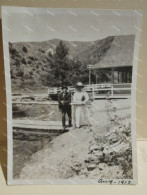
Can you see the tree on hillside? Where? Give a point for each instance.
(59, 64)
(64, 70)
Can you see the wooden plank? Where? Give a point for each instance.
(109, 89)
(43, 125)
(34, 102)
(23, 126)
(36, 122)
(113, 97)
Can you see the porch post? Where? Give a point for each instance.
(112, 75)
(118, 76)
(89, 67)
(95, 76)
(89, 76)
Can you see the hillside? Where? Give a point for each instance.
(30, 61)
(74, 46)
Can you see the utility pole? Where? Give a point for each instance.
(89, 67)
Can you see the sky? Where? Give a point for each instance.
(41, 24)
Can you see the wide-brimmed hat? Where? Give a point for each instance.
(79, 84)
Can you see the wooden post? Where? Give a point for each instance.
(118, 76)
(89, 76)
(93, 91)
(112, 90)
(126, 77)
(112, 72)
(130, 80)
(96, 76)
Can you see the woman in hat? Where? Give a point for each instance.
(80, 98)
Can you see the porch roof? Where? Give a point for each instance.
(120, 53)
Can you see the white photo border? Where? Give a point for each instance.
(6, 10)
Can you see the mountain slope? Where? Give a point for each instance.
(30, 63)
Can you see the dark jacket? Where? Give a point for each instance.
(66, 98)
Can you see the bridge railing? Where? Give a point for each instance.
(113, 91)
(122, 90)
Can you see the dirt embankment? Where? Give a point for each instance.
(85, 153)
(100, 151)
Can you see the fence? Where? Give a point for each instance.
(98, 91)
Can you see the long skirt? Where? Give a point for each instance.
(82, 115)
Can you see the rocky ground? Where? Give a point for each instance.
(36, 111)
(31, 98)
(100, 151)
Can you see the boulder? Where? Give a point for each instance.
(121, 147)
(108, 153)
(91, 167)
(102, 166)
(91, 159)
(95, 147)
(98, 154)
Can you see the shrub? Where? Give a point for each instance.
(24, 49)
(23, 61)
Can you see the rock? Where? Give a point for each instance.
(121, 147)
(102, 166)
(98, 154)
(111, 136)
(76, 170)
(108, 152)
(76, 167)
(114, 140)
(91, 159)
(91, 167)
(115, 144)
(95, 148)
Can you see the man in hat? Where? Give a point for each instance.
(64, 100)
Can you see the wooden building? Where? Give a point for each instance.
(117, 62)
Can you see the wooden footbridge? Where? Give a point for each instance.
(43, 126)
(38, 128)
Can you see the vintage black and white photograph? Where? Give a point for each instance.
(71, 95)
